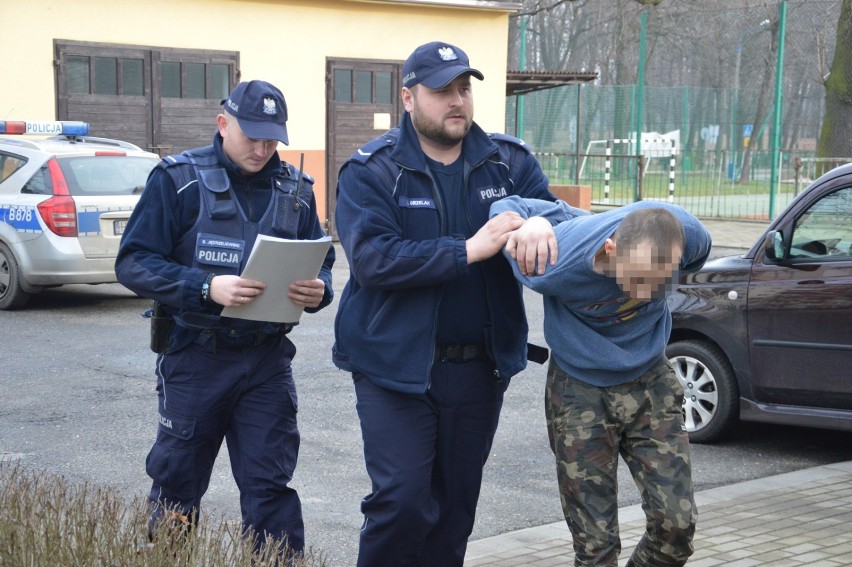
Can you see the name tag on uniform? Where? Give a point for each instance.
(416, 202)
(216, 250)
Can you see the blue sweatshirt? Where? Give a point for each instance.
(598, 334)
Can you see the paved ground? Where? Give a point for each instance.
(798, 518)
(734, 234)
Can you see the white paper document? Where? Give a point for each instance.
(278, 262)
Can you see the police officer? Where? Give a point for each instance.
(184, 247)
(431, 322)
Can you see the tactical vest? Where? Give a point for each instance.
(222, 237)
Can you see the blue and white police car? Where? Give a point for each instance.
(65, 198)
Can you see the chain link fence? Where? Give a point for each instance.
(710, 150)
(702, 182)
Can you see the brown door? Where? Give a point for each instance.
(363, 102)
(188, 89)
(108, 87)
(161, 99)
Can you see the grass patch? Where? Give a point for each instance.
(45, 520)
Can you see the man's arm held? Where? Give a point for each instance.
(493, 235)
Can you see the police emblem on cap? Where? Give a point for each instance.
(269, 106)
(447, 54)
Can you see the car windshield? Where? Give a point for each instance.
(106, 175)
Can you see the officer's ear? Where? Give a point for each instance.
(407, 95)
(222, 124)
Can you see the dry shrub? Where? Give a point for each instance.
(46, 521)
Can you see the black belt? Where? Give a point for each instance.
(225, 341)
(460, 353)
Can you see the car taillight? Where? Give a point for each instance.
(59, 212)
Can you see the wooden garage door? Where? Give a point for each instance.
(363, 102)
(161, 99)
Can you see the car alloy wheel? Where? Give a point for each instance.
(710, 392)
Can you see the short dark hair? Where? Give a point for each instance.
(656, 225)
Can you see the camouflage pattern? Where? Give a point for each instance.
(641, 420)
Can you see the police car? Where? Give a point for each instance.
(65, 198)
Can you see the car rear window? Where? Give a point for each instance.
(106, 175)
(96, 175)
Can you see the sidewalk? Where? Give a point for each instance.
(797, 518)
(739, 234)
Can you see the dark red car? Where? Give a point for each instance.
(767, 336)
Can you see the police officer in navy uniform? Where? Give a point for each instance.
(219, 378)
(431, 323)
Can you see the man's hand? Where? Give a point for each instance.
(233, 291)
(493, 235)
(307, 293)
(532, 244)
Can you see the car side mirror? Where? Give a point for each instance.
(773, 244)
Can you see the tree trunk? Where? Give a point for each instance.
(766, 91)
(834, 139)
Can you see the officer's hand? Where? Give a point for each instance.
(307, 293)
(491, 238)
(233, 291)
(532, 244)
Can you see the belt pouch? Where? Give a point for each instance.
(161, 328)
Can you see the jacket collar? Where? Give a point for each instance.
(476, 146)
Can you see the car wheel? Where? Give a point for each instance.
(12, 295)
(711, 395)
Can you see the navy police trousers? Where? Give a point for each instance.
(247, 396)
(424, 454)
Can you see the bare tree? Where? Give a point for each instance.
(835, 139)
(718, 54)
(762, 112)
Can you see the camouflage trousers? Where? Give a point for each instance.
(642, 421)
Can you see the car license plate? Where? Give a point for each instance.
(118, 226)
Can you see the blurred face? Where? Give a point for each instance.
(248, 154)
(644, 272)
(441, 117)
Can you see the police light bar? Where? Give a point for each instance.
(62, 128)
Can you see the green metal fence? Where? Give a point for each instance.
(705, 183)
(736, 151)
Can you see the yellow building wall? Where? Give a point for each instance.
(284, 42)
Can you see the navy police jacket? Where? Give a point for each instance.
(392, 226)
(184, 228)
